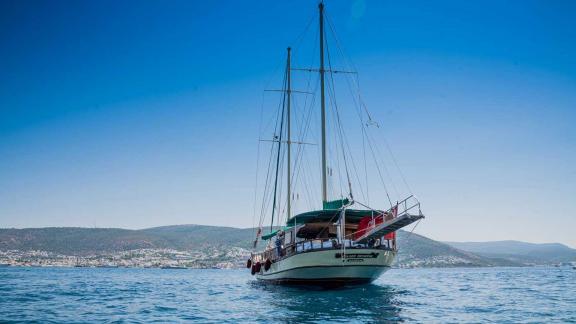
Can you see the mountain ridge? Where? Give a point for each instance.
(414, 250)
(518, 251)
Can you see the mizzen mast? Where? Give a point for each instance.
(323, 104)
(288, 143)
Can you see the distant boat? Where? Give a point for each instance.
(173, 267)
(77, 264)
(336, 245)
(2, 265)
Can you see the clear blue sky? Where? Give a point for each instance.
(144, 113)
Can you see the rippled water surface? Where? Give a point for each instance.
(423, 295)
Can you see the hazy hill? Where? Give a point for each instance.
(191, 237)
(523, 252)
(78, 241)
(84, 241)
(415, 250)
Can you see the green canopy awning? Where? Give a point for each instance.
(335, 204)
(272, 234)
(331, 215)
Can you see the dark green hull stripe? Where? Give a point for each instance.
(327, 266)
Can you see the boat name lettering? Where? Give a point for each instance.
(357, 255)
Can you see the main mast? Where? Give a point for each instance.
(288, 94)
(323, 104)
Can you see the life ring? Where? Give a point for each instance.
(253, 271)
(267, 265)
(258, 267)
(249, 263)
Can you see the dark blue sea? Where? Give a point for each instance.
(496, 295)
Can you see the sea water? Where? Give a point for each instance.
(497, 295)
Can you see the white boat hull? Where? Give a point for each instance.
(328, 267)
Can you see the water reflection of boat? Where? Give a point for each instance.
(365, 304)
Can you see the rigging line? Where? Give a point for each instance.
(306, 128)
(329, 182)
(338, 136)
(380, 174)
(300, 37)
(335, 135)
(305, 99)
(298, 167)
(366, 206)
(257, 164)
(281, 184)
(278, 156)
(362, 127)
(265, 198)
(413, 228)
(388, 173)
(312, 100)
(301, 174)
(366, 133)
(309, 77)
(303, 127)
(300, 149)
(266, 185)
(343, 137)
(360, 103)
(260, 219)
(303, 131)
(351, 66)
(344, 143)
(299, 123)
(377, 154)
(280, 181)
(307, 183)
(305, 194)
(365, 167)
(269, 171)
(337, 124)
(334, 147)
(397, 167)
(267, 86)
(298, 164)
(363, 147)
(339, 46)
(271, 119)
